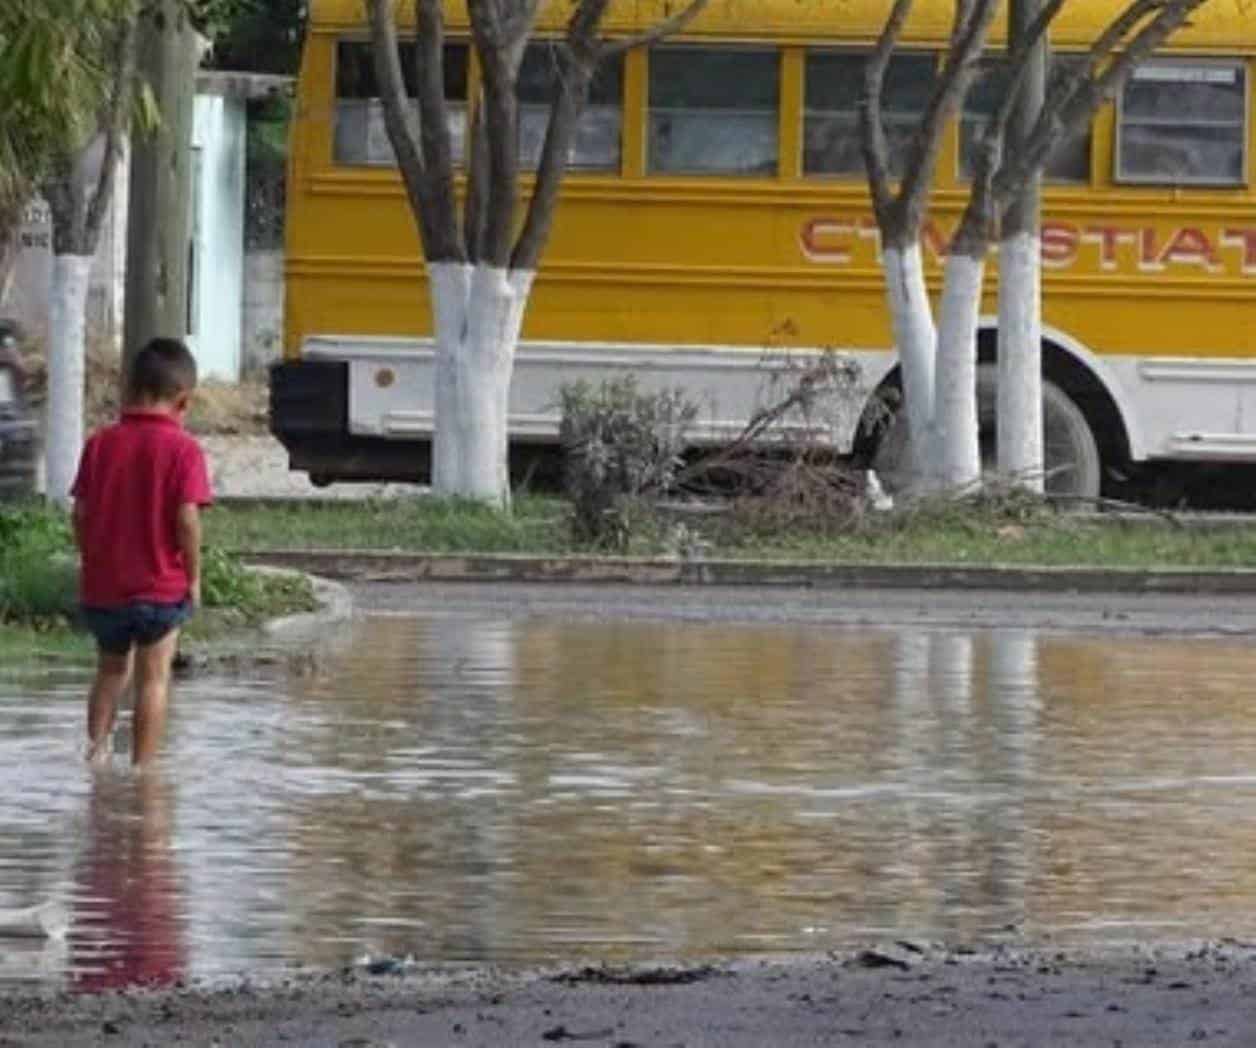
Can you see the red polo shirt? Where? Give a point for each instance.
(133, 477)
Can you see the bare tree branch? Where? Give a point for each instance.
(1018, 61)
(437, 227)
(957, 73)
(568, 104)
(501, 29)
(517, 23)
(500, 38)
(1064, 88)
(578, 59)
(1074, 106)
(113, 122)
(976, 227)
(579, 56)
(669, 26)
(475, 207)
(58, 191)
(876, 150)
(810, 383)
(964, 11)
(584, 25)
(1124, 23)
(429, 77)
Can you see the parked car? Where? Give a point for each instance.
(19, 434)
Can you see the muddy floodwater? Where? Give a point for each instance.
(482, 787)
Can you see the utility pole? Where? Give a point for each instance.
(159, 220)
(1019, 407)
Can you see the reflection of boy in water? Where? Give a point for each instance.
(128, 931)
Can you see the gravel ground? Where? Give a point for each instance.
(257, 467)
(907, 995)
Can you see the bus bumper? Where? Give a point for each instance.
(309, 414)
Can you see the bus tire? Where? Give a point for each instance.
(1071, 454)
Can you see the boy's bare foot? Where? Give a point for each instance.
(99, 753)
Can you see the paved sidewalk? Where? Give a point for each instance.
(257, 467)
(371, 565)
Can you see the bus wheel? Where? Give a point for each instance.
(1071, 455)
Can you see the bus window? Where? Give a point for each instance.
(834, 86)
(360, 136)
(597, 141)
(1070, 162)
(714, 111)
(1183, 122)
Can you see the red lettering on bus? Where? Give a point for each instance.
(1149, 251)
(822, 240)
(1190, 247)
(1244, 237)
(1108, 237)
(1060, 244)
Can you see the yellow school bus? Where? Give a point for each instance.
(716, 217)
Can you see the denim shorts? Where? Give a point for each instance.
(142, 624)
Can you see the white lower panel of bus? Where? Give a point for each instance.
(391, 380)
(1191, 408)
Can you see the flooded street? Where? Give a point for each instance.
(454, 781)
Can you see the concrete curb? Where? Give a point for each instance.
(335, 604)
(385, 566)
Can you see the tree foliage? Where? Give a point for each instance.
(53, 80)
(260, 36)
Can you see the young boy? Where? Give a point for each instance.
(137, 498)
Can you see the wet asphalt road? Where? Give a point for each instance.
(1222, 615)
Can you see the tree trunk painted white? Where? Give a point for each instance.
(479, 313)
(911, 318)
(955, 405)
(1019, 407)
(483, 368)
(66, 353)
(521, 281)
(450, 289)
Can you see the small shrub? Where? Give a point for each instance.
(225, 581)
(38, 569)
(620, 445)
(39, 576)
(43, 593)
(249, 596)
(31, 527)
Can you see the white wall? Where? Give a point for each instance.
(27, 299)
(28, 295)
(262, 323)
(218, 137)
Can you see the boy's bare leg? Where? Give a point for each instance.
(152, 693)
(113, 672)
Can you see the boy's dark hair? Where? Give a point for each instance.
(162, 370)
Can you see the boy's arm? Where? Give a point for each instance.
(188, 531)
(79, 523)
